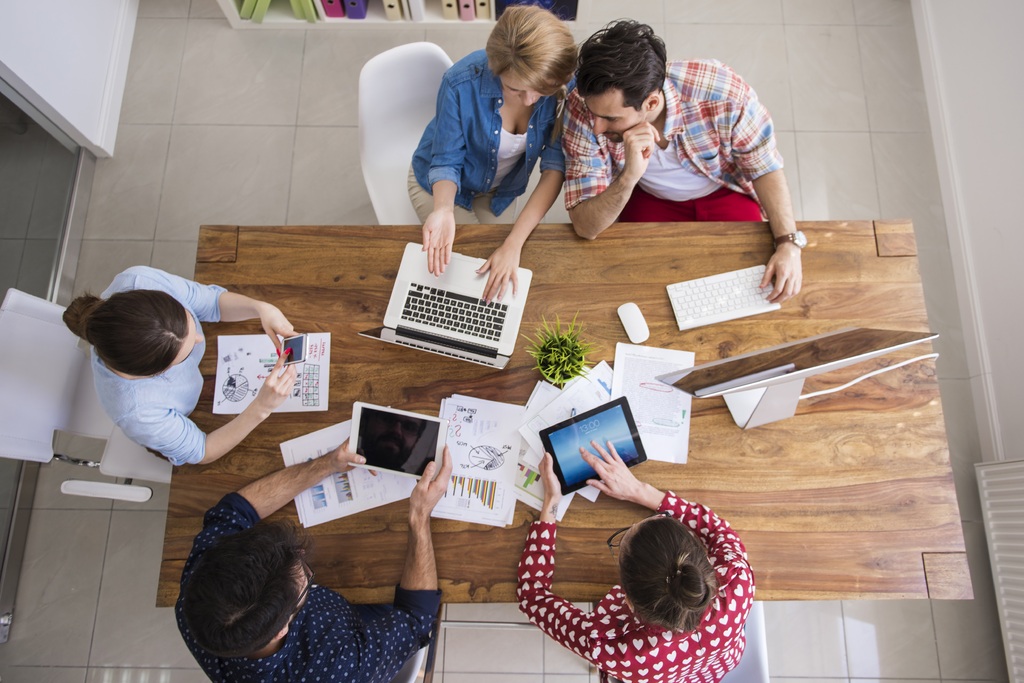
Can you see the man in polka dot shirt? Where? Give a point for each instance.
(249, 610)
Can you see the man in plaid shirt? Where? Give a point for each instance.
(653, 141)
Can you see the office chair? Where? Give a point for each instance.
(46, 385)
(411, 671)
(397, 99)
(753, 667)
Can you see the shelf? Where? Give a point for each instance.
(280, 15)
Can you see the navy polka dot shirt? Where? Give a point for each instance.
(328, 640)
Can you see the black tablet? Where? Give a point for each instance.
(396, 441)
(609, 422)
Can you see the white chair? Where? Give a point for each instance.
(411, 671)
(753, 667)
(397, 99)
(46, 385)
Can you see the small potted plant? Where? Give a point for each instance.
(560, 354)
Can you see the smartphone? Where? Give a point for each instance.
(297, 346)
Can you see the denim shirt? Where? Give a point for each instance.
(460, 143)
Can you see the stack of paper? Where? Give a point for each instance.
(662, 413)
(340, 495)
(485, 448)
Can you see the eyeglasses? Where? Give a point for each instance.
(615, 540)
(309, 584)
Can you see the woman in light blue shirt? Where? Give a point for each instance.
(147, 343)
(499, 111)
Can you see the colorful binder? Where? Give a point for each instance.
(466, 10)
(332, 9)
(260, 10)
(303, 9)
(393, 10)
(245, 12)
(450, 9)
(355, 9)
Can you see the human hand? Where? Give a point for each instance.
(640, 141)
(274, 323)
(342, 459)
(277, 387)
(786, 269)
(430, 488)
(614, 478)
(438, 236)
(552, 489)
(503, 267)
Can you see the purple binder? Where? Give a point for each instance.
(355, 9)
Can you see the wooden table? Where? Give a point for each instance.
(851, 498)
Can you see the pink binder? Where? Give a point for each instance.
(334, 9)
(466, 10)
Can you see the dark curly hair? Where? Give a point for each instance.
(243, 590)
(625, 55)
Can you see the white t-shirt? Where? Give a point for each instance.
(667, 178)
(511, 148)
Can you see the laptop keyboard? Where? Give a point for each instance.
(454, 312)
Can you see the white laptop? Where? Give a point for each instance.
(446, 314)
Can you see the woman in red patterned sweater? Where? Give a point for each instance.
(685, 590)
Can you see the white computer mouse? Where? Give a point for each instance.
(633, 320)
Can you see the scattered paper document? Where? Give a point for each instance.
(346, 493)
(529, 488)
(578, 396)
(661, 412)
(245, 360)
(484, 446)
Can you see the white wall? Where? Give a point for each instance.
(69, 59)
(972, 56)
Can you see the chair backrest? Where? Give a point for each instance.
(753, 667)
(40, 369)
(397, 99)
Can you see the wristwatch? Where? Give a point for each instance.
(797, 238)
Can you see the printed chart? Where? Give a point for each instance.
(244, 361)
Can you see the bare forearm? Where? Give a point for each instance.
(648, 496)
(592, 216)
(543, 196)
(443, 192)
(272, 492)
(773, 193)
(221, 440)
(235, 307)
(420, 572)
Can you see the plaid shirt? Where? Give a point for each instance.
(721, 129)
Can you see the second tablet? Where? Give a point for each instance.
(396, 440)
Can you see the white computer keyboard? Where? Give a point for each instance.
(718, 298)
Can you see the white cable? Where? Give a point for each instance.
(879, 371)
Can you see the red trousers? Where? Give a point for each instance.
(721, 205)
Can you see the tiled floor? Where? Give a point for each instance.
(234, 126)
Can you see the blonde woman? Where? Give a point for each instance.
(499, 112)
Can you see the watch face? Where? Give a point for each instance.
(799, 239)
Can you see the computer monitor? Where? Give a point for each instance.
(764, 386)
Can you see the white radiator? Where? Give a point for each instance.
(1001, 485)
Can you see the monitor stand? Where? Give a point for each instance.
(756, 407)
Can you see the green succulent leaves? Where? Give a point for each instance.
(560, 354)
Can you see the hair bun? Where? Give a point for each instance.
(78, 313)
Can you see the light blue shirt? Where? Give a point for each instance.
(153, 411)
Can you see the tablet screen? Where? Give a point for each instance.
(610, 422)
(397, 441)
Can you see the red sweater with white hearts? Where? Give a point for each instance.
(616, 640)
